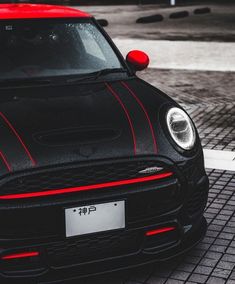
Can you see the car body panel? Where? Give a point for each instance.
(109, 131)
(41, 113)
(31, 11)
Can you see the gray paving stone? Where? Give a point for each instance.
(226, 236)
(198, 278)
(230, 250)
(215, 280)
(205, 270)
(218, 248)
(208, 240)
(213, 255)
(229, 257)
(222, 242)
(208, 262)
(230, 282)
(222, 273)
(225, 265)
(232, 276)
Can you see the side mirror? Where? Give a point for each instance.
(137, 60)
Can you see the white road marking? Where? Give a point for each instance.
(184, 55)
(220, 160)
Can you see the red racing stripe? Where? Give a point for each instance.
(5, 161)
(126, 112)
(145, 112)
(18, 137)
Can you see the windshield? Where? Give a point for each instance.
(42, 48)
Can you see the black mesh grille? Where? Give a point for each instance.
(94, 247)
(78, 176)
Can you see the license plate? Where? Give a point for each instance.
(94, 218)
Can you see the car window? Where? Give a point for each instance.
(92, 47)
(42, 49)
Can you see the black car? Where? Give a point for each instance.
(100, 171)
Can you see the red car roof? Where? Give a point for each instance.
(36, 11)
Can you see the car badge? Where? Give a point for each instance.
(151, 170)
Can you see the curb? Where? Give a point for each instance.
(178, 15)
(200, 11)
(150, 19)
(175, 15)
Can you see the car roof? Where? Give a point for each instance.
(38, 11)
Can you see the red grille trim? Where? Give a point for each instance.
(86, 187)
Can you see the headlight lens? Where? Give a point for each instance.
(181, 128)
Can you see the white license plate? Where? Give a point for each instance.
(94, 218)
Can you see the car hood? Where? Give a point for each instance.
(45, 126)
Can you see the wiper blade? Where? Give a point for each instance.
(97, 74)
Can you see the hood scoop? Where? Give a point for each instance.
(74, 136)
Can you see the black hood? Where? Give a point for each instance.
(52, 125)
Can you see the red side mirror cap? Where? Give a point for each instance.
(138, 60)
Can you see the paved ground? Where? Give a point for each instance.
(192, 87)
(194, 27)
(209, 97)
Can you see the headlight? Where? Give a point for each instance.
(181, 128)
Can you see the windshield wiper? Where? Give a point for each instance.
(36, 81)
(24, 81)
(97, 74)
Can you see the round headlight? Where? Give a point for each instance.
(181, 128)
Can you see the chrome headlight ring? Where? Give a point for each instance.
(181, 128)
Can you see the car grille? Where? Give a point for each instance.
(93, 247)
(77, 176)
(144, 202)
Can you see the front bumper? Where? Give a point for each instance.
(62, 258)
(142, 257)
(190, 236)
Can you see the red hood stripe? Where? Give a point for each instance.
(145, 112)
(5, 161)
(18, 137)
(87, 187)
(126, 112)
